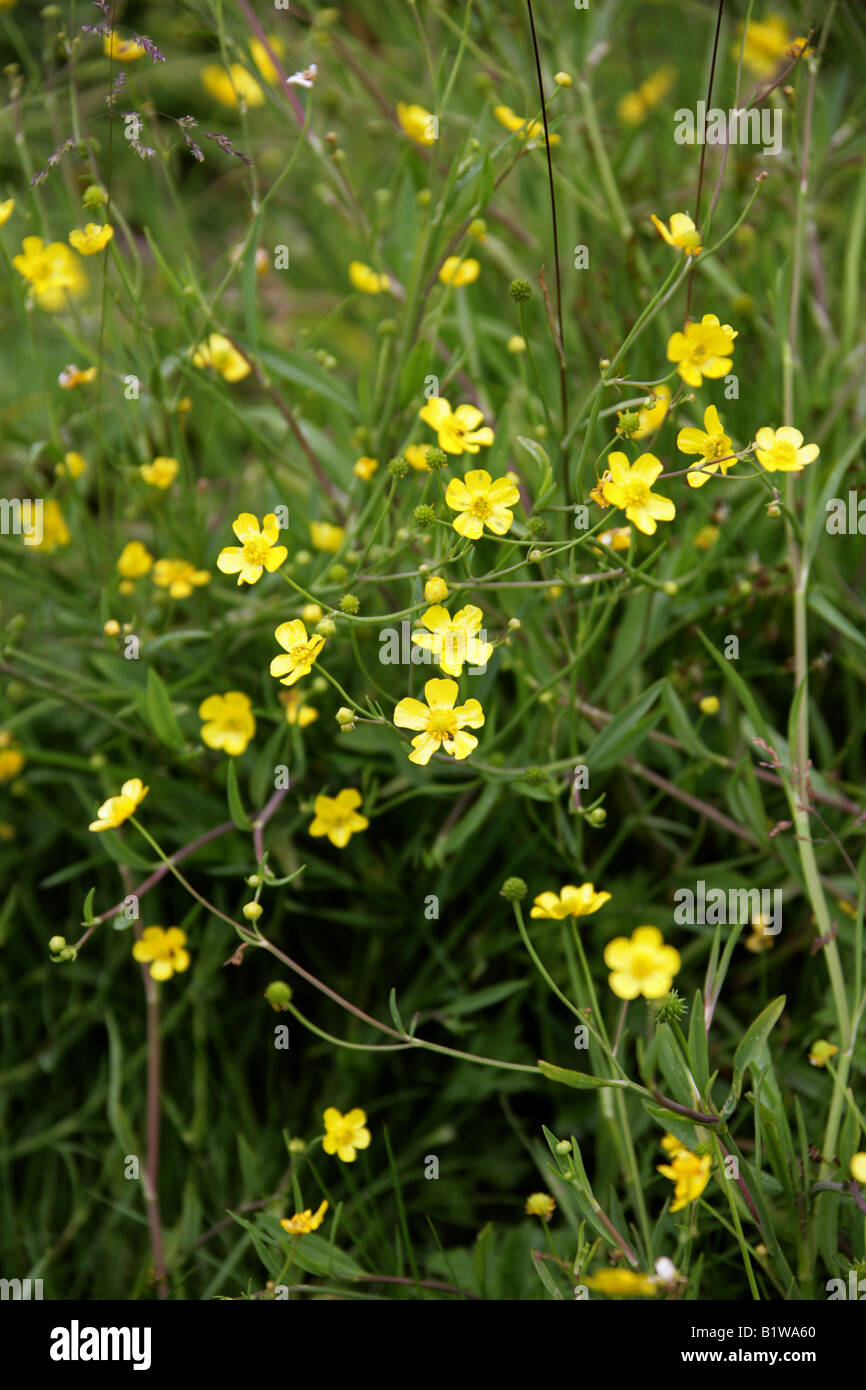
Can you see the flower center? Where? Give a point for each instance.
(785, 454)
(480, 508)
(636, 494)
(301, 654)
(255, 551)
(641, 964)
(442, 722)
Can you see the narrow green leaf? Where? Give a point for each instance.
(755, 1038)
(236, 807)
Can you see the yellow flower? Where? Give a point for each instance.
(480, 501)
(73, 466)
(858, 1167)
(703, 350)
(262, 60)
(55, 532)
(641, 965)
(683, 234)
(418, 124)
(618, 539)
(540, 1204)
(596, 493)
(416, 455)
(122, 50)
(180, 577)
(338, 817)
(11, 759)
(672, 1145)
(457, 431)
(303, 1222)
(821, 1051)
(783, 450)
(630, 487)
(690, 1174)
(232, 87)
(117, 809)
(621, 1283)
(758, 940)
(165, 949)
(54, 272)
(367, 280)
(161, 473)
(634, 107)
(73, 376)
(297, 712)
(529, 130)
(651, 416)
(301, 651)
(94, 238)
(6, 210)
(258, 550)
(229, 722)
(457, 272)
(220, 354)
(569, 902)
(454, 641)
(365, 468)
(709, 704)
(713, 445)
(438, 723)
(435, 590)
(707, 537)
(134, 560)
(768, 41)
(516, 343)
(326, 537)
(345, 1134)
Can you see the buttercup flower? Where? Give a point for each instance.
(73, 376)
(367, 280)
(569, 902)
(296, 711)
(6, 210)
(229, 722)
(621, 1283)
(540, 1204)
(134, 560)
(702, 350)
(454, 641)
(641, 965)
(630, 487)
(618, 539)
(122, 50)
(220, 354)
(54, 272)
(11, 759)
(858, 1167)
(529, 130)
(73, 466)
(709, 704)
(690, 1174)
(783, 451)
(94, 238)
(338, 817)
(480, 501)
(345, 1134)
(55, 532)
(439, 723)
(165, 949)
(117, 809)
(457, 272)
(262, 59)
(652, 416)
(232, 86)
(257, 552)
(713, 445)
(457, 431)
(365, 468)
(634, 108)
(435, 590)
(821, 1051)
(160, 473)
(180, 577)
(418, 124)
(303, 1222)
(416, 455)
(768, 41)
(301, 651)
(326, 537)
(682, 233)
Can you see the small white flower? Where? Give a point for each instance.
(305, 78)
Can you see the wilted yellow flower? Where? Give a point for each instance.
(229, 722)
(122, 50)
(642, 964)
(690, 1174)
(160, 473)
(702, 350)
(529, 129)
(221, 354)
(301, 651)
(55, 532)
(365, 468)
(117, 809)
(73, 376)
(418, 124)
(233, 86)
(630, 487)
(783, 450)
(821, 1051)
(94, 238)
(345, 1134)
(651, 416)
(635, 106)
(438, 723)
(338, 817)
(134, 560)
(303, 1222)
(481, 501)
(621, 1283)
(713, 445)
(540, 1204)
(257, 552)
(454, 641)
(54, 272)
(326, 537)
(457, 430)
(165, 949)
(683, 235)
(367, 280)
(569, 902)
(180, 577)
(456, 271)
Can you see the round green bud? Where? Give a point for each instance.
(564, 1146)
(254, 880)
(514, 889)
(94, 196)
(338, 573)
(671, 587)
(537, 526)
(349, 603)
(398, 467)
(279, 995)
(56, 944)
(297, 1146)
(423, 197)
(520, 291)
(424, 515)
(344, 715)
(534, 556)
(303, 557)
(515, 624)
(436, 458)
(387, 328)
(252, 911)
(598, 816)
(326, 627)
(671, 1009)
(534, 777)
(629, 423)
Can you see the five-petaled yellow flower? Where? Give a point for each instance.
(229, 722)
(529, 129)
(621, 1283)
(682, 233)
(165, 949)
(704, 349)
(94, 238)
(540, 1204)
(303, 1222)
(345, 1134)
(54, 272)
(438, 723)
(457, 272)
(160, 473)
(457, 430)
(418, 124)
(257, 552)
(689, 1173)
(569, 902)
(223, 356)
(454, 641)
(783, 450)
(630, 487)
(180, 577)
(367, 280)
(338, 817)
(301, 651)
(480, 501)
(642, 964)
(713, 445)
(117, 809)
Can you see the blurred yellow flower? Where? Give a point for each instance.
(11, 759)
(117, 809)
(6, 210)
(54, 272)
(180, 577)
(634, 107)
(821, 1051)
(94, 238)
(707, 537)
(257, 552)
(768, 41)
(456, 271)
(303, 1222)
(619, 538)
(229, 722)
(365, 468)
(702, 350)
(689, 1173)
(569, 902)
(296, 711)
(55, 532)
(134, 560)
(529, 129)
(122, 50)
(301, 651)
(418, 124)
(621, 1283)
(232, 86)
(367, 280)
(73, 466)
(416, 455)
(262, 59)
(160, 473)
(858, 1167)
(642, 964)
(630, 487)
(438, 723)
(73, 376)
(218, 352)
(324, 536)
(651, 416)
(338, 817)
(165, 949)
(709, 704)
(540, 1204)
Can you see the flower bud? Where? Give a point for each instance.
(278, 995)
(56, 944)
(435, 590)
(514, 889)
(252, 911)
